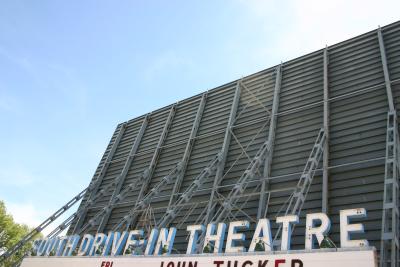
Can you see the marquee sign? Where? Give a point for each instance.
(161, 241)
(363, 257)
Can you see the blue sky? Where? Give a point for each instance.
(70, 71)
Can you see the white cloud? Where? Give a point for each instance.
(295, 27)
(27, 213)
(316, 23)
(24, 213)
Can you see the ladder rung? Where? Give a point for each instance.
(389, 160)
(306, 177)
(300, 196)
(389, 181)
(387, 236)
(388, 205)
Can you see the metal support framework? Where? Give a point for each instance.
(214, 171)
(224, 150)
(299, 195)
(271, 140)
(186, 196)
(124, 193)
(389, 251)
(385, 70)
(100, 177)
(188, 149)
(42, 226)
(148, 173)
(231, 200)
(304, 184)
(389, 254)
(124, 172)
(241, 185)
(113, 201)
(325, 163)
(197, 184)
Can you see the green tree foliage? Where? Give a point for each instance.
(10, 234)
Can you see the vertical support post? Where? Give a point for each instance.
(224, 151)
(188, 150)
(385, 70)
(124, 172)
(271, 141)
(101, 176)
(325, 163)
(389, 250)
(148, 173)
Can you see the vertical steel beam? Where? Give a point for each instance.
(188, 150)
(271, 142)
(124, 172)
(148, 173)
(100, 177)
(325, 163)
(224, 151)
(385, 70)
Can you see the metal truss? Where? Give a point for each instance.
(231, 200)
(216, 164)
(125, 170)
(296, 200)
(148, 173)
(189, 192)
(43, 225)
(145, 202)
(225, 148)
(67, 222)
(94, 195)
(303, 186)
(389, 252)
(262, 211)
(116, 198)
(124, 193)
(143, 179)
(174, 207)
(188, 149)
(99, 179)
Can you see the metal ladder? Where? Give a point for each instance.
(389, 252)
(297, 199)
(303, 186)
